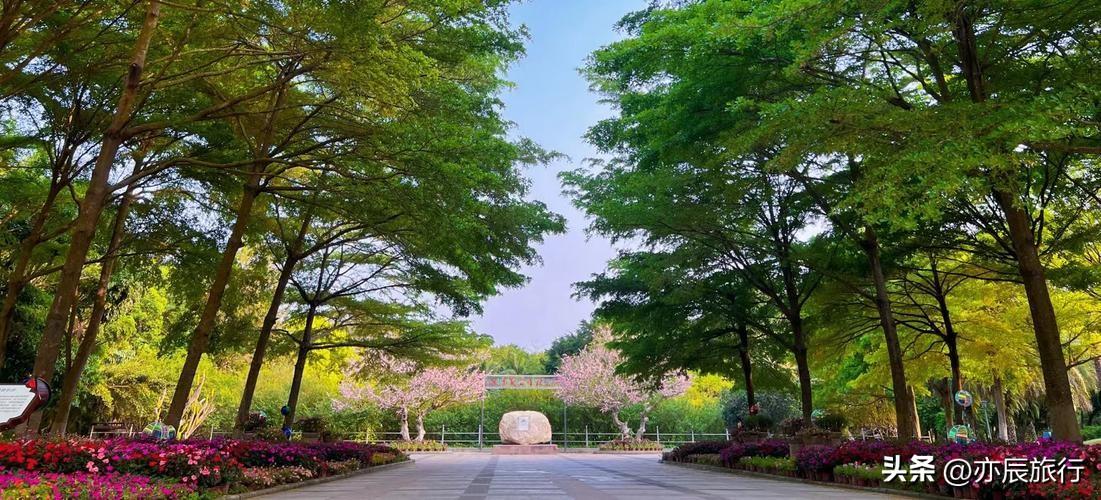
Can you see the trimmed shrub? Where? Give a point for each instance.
(758, 423)
(707, 459)
(831, 422)
(768, 464)
(631, 445)
(697, 448)
(768, 448)
(418, 446)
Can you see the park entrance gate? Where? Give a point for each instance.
(505, 382)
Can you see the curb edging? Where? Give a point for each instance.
(311, 482)
(762, 475)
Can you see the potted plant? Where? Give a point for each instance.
(755, 429)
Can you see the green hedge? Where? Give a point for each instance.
(1091, 432)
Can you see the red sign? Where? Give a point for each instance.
(521, 381)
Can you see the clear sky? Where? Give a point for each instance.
(552, 105)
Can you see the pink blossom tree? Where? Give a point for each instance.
(589, 378)
(418, 393)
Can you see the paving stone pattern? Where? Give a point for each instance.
(478, 476)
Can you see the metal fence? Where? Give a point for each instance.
(130, 431)
(580, 439)
(485, 437)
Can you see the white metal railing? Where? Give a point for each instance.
(131, 431)
(581, 439)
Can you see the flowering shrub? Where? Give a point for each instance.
(815, 458)
(337, 468)
(261, 477)
(862, 462)
(28, 485)
(769, 448)
(631, 445)
(383, 458)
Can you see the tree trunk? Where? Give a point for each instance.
(951, 341)
(17, 279)
(1010, 422)
(644, 419)
(262, 342)
(99, 306)
(903, 406)
(999, 406)
(802, 365)
(1061, 412)
(200, 338)
(747, 366)
(624, 430)
(404, 413)
(803, 368)
(92, 206)
(914, 409)
(957, 376)
(1060, 403)
(304, 348)
(420, 428)
(949, 404)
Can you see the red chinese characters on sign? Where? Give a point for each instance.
(521, 382)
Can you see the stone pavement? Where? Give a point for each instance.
(476, 476)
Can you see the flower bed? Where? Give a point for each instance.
(869, 476)
(768, 465)
(631, 445)
(768, 448)
(680, 453)
(415, 446)
(861, 463)
(29, 484)
(142, 468)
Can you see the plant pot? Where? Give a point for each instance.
(819, 438)
(964, 492)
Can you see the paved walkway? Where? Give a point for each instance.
(476, 476)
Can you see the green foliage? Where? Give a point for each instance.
(568, 345)
(782, 465)
(511, 359)
(1091, 432)
(418, 446)
(775, 406)
(831, 422)
(758, 423)
(859, 471)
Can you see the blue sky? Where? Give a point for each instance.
(552, 105)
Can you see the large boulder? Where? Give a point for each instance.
(524, 427)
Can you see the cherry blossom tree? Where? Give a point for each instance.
(589, 378)
(417, 393)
